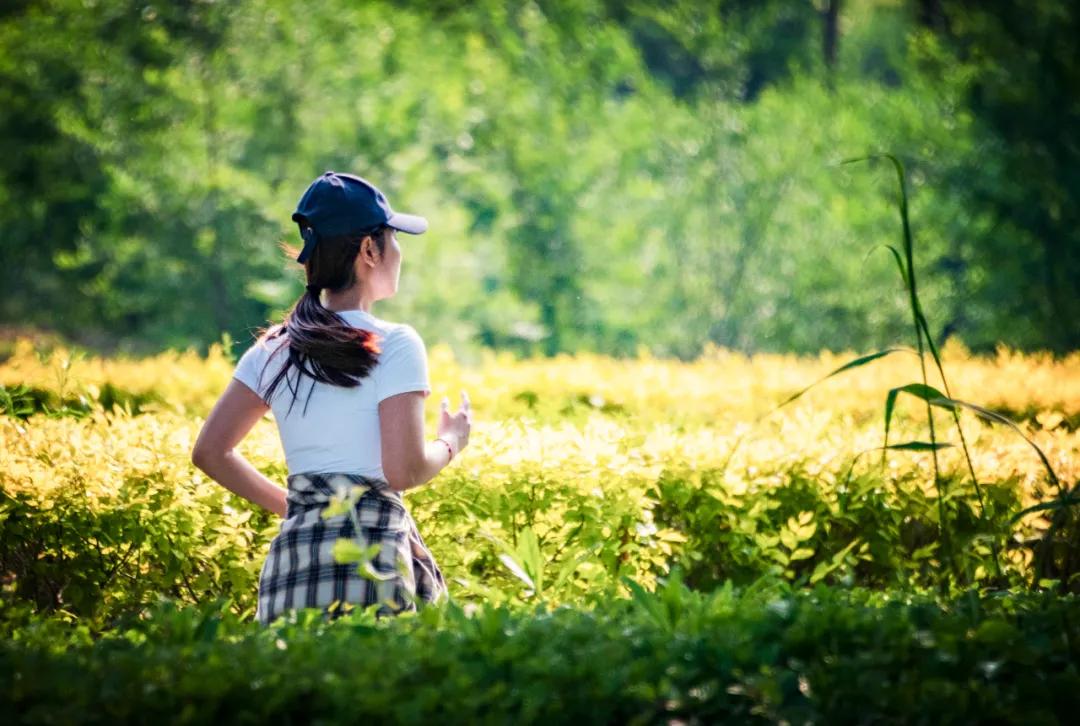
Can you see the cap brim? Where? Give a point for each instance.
(309, 246)
(407, 223)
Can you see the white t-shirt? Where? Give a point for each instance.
(340, 431)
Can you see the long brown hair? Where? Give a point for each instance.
(320, 343)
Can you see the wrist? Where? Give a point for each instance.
(451, 445)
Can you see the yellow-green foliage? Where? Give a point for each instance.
(180, 381)
(720, 386)
(580, 470)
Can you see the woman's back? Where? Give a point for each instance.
(337, 430)
(342, 385)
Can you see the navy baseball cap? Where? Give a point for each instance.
(338, 203)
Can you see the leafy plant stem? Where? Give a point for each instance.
(963, 442)
(916, 314)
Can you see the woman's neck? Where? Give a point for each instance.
(347, 299)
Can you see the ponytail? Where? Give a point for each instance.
(320, 343)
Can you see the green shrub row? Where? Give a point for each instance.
(97, 557)
(674, 656)
(81, 554)
(852, 529)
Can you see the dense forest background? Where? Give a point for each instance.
(599, 175)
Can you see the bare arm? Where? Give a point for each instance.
(407, 459)
(232, 417)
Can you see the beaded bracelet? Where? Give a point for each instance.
(448, 448)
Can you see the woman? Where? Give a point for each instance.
(361, 429)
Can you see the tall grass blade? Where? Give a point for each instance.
(989, 415)
(1069, 500)
(919, 390)
(861, 361)
(896, 256)
(916, 313)
(919, 446)
(963, 439)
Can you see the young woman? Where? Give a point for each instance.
(361, 426)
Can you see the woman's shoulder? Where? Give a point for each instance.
(400, 341)
(251, 364)
(390, 332)
(405, 334)
(403, 363)
(270, 339)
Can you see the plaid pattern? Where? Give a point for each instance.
(300, 571)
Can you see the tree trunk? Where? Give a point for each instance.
(831, 35)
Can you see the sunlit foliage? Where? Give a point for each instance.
(581, 470)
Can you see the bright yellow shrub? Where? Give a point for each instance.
(614, 467)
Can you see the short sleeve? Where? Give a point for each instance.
(249, 367)
(402, 364)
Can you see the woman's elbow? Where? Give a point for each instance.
(398, 477)
(203, 457)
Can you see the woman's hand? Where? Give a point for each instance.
(458, 425)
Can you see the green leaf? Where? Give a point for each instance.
(890, 403)
(920, 390)
(801, 529)
(839, 556)
(530, 556)
(789, 539)
(347, 550)
(821, 570)
(896, 256)
(924, 552)
(988, 415)
(1070, 500)
(500, 542)
(803, 553)
(919, 446)
(568, 567)
(861, 361)
(334, 508)
(648, 602)
(825, 567)
(515, 567)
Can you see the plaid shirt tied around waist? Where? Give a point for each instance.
(300, 570)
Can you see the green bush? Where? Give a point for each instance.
(762, 654)
(101, 516)
(863, 529)
(100, 528)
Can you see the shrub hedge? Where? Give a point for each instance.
(674, 656)
(101, 515)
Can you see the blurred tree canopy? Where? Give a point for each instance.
(599, 175)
